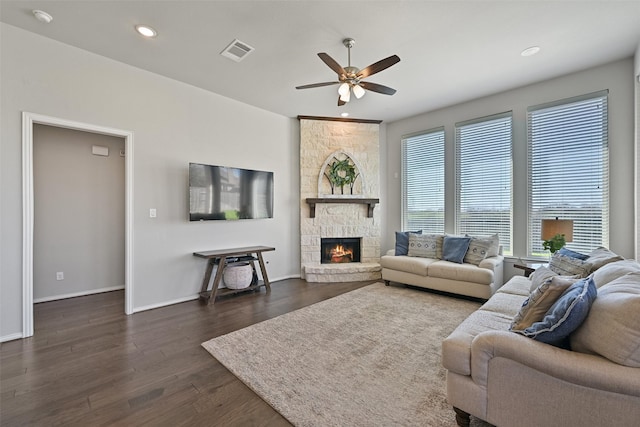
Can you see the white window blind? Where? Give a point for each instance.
(483, 177)
(568, 170)
(423, 182)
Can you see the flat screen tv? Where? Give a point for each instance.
(227, 193)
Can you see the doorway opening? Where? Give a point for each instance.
(28, 122)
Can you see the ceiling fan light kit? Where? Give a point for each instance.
(350, 78)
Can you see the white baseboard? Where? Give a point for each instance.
(78, 294)
(11, 337)
(196, 296)
(165, 303)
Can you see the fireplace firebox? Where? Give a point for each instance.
(339, 250)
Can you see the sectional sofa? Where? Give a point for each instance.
(575, 363)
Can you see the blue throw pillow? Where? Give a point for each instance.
(565, 315)
(572, 254)
(402, 241)
(455, 248)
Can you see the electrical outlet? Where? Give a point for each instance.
(60, 275)
(152, 213)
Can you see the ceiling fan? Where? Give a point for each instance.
(350, 78)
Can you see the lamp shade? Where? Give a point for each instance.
(551, 227)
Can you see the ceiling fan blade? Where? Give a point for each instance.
(331, 63)
(378, 66)
(375, 87)
(340, 102)
(317, 85)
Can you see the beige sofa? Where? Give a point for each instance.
(508, 379)
(479, 281)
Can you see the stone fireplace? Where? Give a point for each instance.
(330, 211)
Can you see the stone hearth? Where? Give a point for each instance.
(321, 142)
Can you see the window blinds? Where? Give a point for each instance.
(423, 182)
(568, 170)
(483, 177)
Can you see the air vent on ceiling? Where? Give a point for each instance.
(237, 50)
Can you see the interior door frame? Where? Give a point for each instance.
(28, 120)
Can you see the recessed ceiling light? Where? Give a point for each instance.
(345, 114)
(530, 51)
(146, 31)
(42, 16)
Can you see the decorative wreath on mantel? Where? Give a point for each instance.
(341, 173)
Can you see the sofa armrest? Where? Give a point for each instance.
(578, 368)
(492, 262)
(495, 264)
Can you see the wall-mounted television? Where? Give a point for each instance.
(228, 193)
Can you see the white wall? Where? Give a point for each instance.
(79, 212)
(617, 77)
(173, 124)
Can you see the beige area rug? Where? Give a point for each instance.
(370, 357)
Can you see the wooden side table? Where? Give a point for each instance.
(223, 257)
(528, 267)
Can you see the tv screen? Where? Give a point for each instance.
(226, 193)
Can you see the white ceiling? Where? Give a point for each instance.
(451, 51)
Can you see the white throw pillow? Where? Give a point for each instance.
(478, 250)
(425, 245)
(494, 249)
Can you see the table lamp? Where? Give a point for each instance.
(556, 233)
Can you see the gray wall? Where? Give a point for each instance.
(173, 124)
(79, 212)
(617, 77)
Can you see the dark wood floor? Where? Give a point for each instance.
(90, 365)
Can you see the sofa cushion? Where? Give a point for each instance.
(454, 248)
(478, 250)
(406, 263)
(461, 272)
(600, 257)
(565, 265)
(540, 301)
(612, 328)
(425, 245)
(402, 241)
(565, 315)
(517, 285)
(456, 348)
(504, 304)
(613, 270)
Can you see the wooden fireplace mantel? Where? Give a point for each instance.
(370, 202)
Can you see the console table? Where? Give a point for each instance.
(223, 257)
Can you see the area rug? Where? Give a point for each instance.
(370, 357)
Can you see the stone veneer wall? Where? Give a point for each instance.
(318, 140)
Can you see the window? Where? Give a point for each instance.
(423, 182)
(483, 177)
(568, 170)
